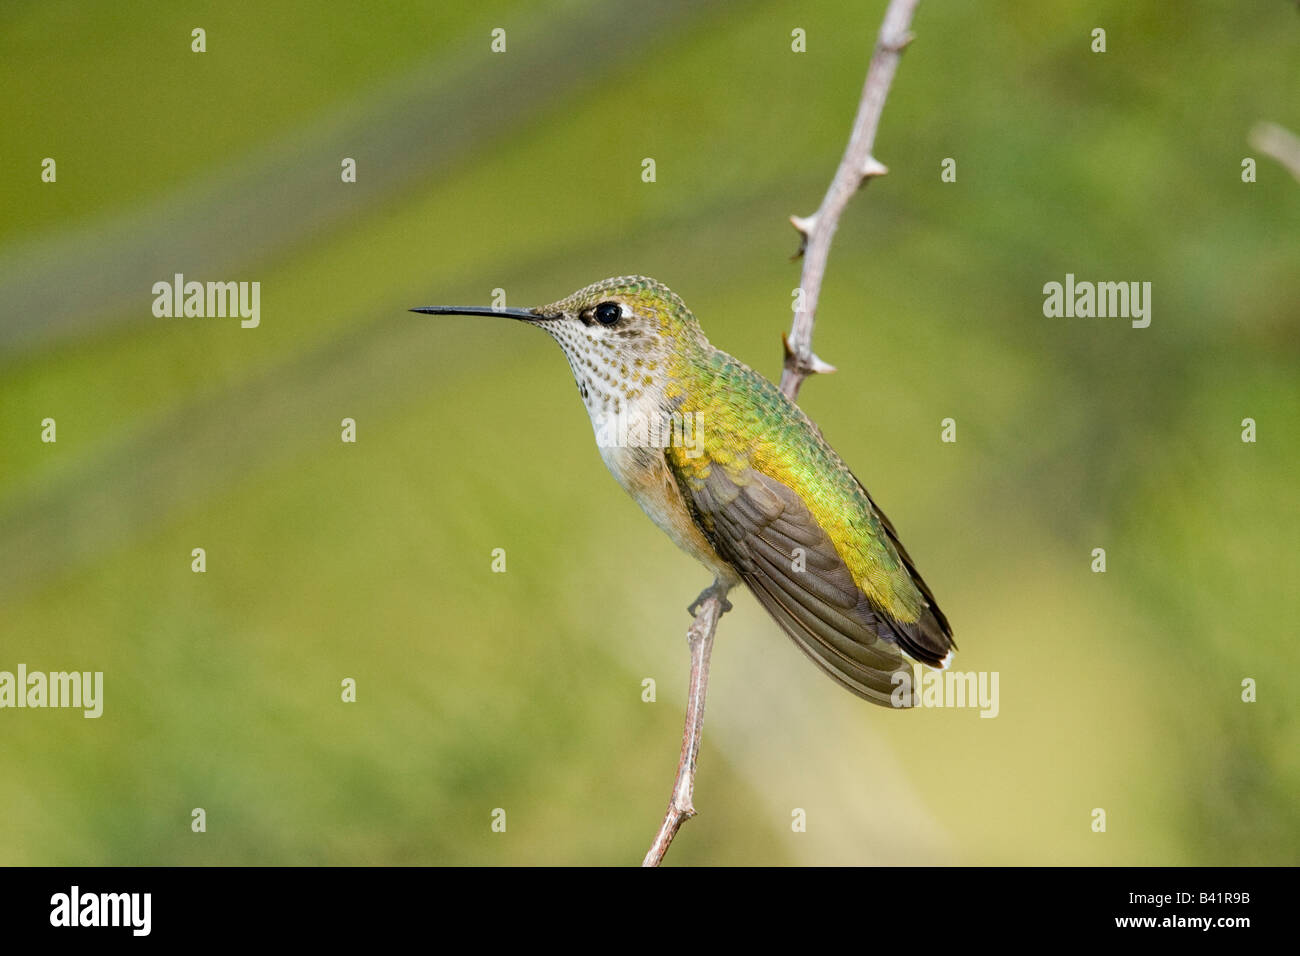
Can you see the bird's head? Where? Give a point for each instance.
(623, 337)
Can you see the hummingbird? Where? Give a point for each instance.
(742, 480)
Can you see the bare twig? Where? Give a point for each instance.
(681, 808)
(856, 167)
(1279, 143)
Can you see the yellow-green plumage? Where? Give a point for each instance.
(750, 424)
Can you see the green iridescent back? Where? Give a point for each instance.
(747, 423)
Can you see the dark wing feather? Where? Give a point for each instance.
(756, 522)
(930, 639)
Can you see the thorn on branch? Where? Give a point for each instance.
(899, 44)
(872, 167)
(815, 364)
(818, 366)
(805, 225)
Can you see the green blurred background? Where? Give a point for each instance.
(522, 171)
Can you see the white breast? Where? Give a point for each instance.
(644, 474)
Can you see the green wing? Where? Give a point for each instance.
(788, 561)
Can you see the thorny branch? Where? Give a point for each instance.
(856, 167)
(681, 808)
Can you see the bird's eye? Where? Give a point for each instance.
(607, 313)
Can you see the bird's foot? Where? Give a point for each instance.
(713, 590)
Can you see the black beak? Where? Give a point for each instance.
(523, 315)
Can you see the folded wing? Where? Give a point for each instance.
(790, 564)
